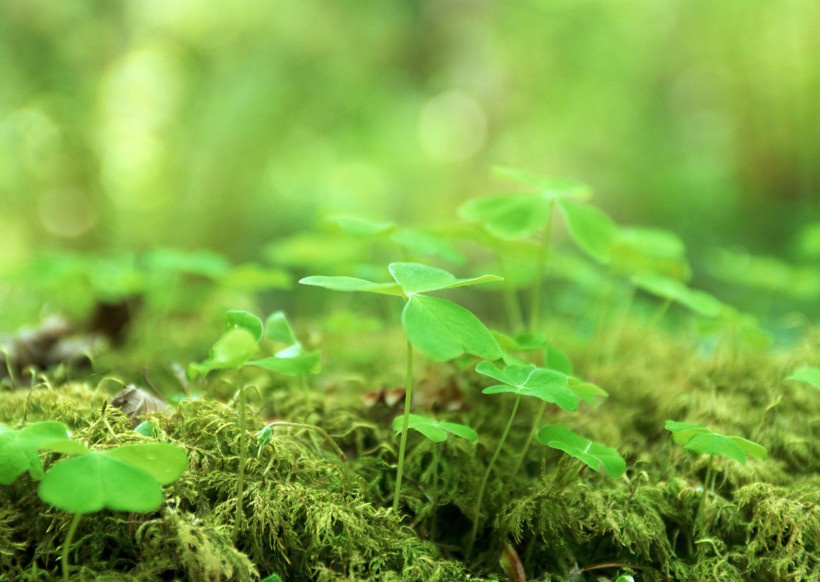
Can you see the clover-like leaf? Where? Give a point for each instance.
(293, 361)
(548, 385)
(513, 216)
(436, 430)
(127, 478)
(442, 330)
(808, 375)
(19, 448)
(237, 318)
(595, 455)
(418, 278)
(352, 284)
(698, 301)
(698, 439)
(590, 228)
(357, 226)
(587, 391)
(253, 277)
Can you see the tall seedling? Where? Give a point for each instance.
(439, 329)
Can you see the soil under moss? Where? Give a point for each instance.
(311, 515)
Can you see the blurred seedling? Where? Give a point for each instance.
(550, 386)
(127, 478)
(436, 431)
(438, 328)
(522, 217)
(700, 440)
(234, 350)
(19, 449)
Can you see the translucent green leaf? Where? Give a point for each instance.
(591, 229)
(352, 284)
(232, 350)
(293, 365)
(277, 328)
(697, 301)
(165, 462)
(236, 318)
(442, 330)
(807, 375)
(436, 431)
(253, 277)
(595, 455)
(512, 216)
(751, 448)
(418, 278)
(587, 391)
(547, 385)
(96, 481)
(559, 360)
(682, 432)
(714, 444)
(19, 448)
(204, 263)
(550, 188)
(424, 243)
(648, 250)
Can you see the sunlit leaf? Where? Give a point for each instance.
(418, 278)
(435, 430)
(239, 319)
(19, 448)
(357, 226)
(547, 385)
(592, 230)
(698, 439)
(277, 328)
(595, 455)
(698, 301)
(442, 330)
(512, 216)
(352, 284)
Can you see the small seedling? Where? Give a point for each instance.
(547, 385)
(126, 478)
(19, 448)
(594, 455)
(700, 440)
(234, 350)
(810, 376)
(438, 328)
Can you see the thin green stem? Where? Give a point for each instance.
(240, 478)
(530, 438)
(69, 537)
(486, 477)
(706, 489)
(405, 423)
(511, 304)
(543, 251)
(659, 313)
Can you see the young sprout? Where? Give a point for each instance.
(234, 350)
(524, 216)
(436, 431)
(700, 440)
(126, 478)
(439, 329)
(19, 448)
(522, 380)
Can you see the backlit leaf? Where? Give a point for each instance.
(512, 216)
(547, 385)
(807, 375)
(436, 431)
(595, 455)
(592, 230)
(352, 284)
(418, 278)
(236, 318)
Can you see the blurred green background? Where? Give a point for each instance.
(225, 125)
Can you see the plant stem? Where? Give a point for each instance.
(405, 423)
(486, 477)
(706, 489)
(535, 299)
(67, 543)
(530, 438)
(240, 477)
(511, 304)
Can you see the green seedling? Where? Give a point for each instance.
(234, 350)
(436, 431)
(673, 291)
(548, 385)
(19, 448)
(810, 376)
(700, 440)
(439, 329)
(126, 478)
(524, 216)
(594, 455)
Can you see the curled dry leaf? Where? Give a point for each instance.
(136, 402)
